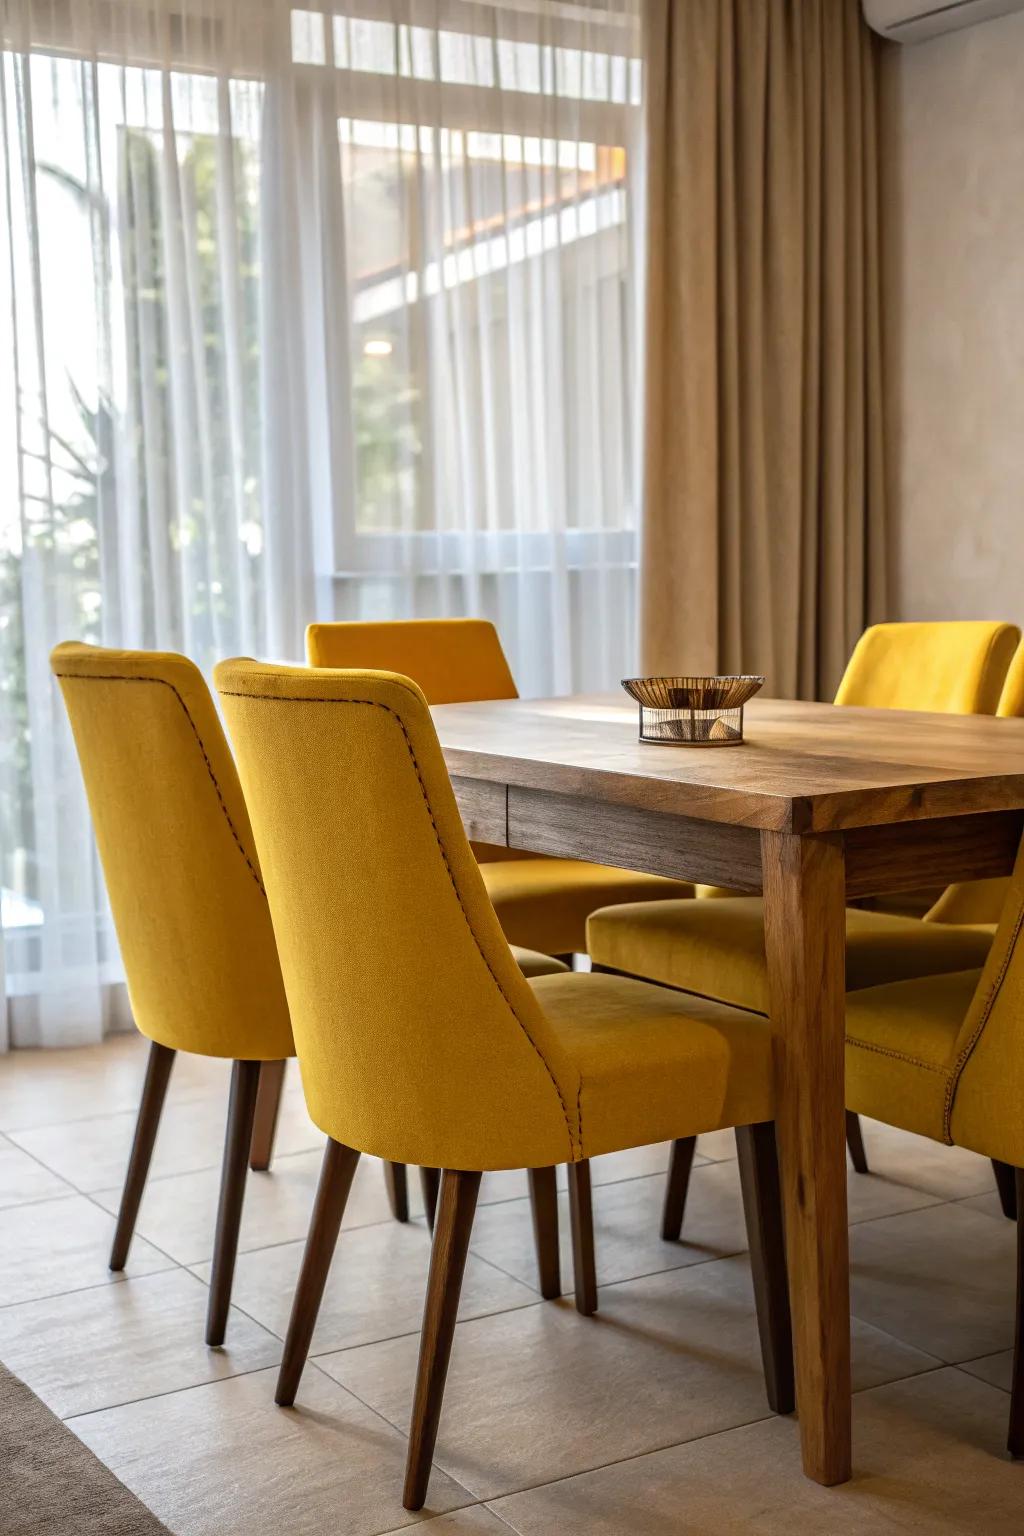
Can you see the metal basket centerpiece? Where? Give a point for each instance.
(692, 711)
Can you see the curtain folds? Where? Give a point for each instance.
(307, 311)
(764, 509)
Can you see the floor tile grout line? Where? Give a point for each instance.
(404, 1433)
(293, 1242)
(982, 1194)
(497, 1515)
(179, 1098)
(100, 1284)
(21, 1205)
(135, 1234)
(442, 1514)
(382, 1415)
(151, 1397)
(618, 1461)
(85, 1290)
(72, 1188)
(413, 1333)
(937, 1362)
(489, 1499)
(1006, 1391)
(214, 1167)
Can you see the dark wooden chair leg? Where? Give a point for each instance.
(1006, 1184)
(245, 1081)
(430, 1183)
(855, 1143)
(154, 1091)
(268, 1104)
(396, 1182)
(762, 1207)
(336, 1174)
(455, 1213)
(1015, 1436)
(544, 1209)
(676, 1187)
(581, 1221)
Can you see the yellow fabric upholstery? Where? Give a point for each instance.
(987, 1108)
(981, 901)
(419, 1039)
(901, 1047)
(970, 901)
(545, 903)
(945, 1055)
(454, 661)
(650, 1061)
(717, 948)
(1011, 700)
(532, 964)
(953, 668)
(178, 855)
(542, 903)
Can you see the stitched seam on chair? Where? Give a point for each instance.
(967, 1052)
(884, 1050)
(579, 1116)
(113, 677)
(376, 704)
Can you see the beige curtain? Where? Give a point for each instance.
(764, 536)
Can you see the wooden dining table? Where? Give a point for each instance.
(821, 805)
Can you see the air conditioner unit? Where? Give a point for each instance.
(911, 21)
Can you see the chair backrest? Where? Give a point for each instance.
(955, 667)
(452, 660)
(177, 851)
(981, 901)
(985, 1107)
(418, 1037)
(1011, 700)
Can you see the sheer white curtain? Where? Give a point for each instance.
(303, 313)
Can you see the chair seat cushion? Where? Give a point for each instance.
(544, 904)
(901, 1042)
(654, 1064)
(533, 964)
(716, 948)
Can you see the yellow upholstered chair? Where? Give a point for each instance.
(953, 667)
(944, 1056)
(716, 948)
(192, 920)
(981, 901)
(542, 903)
(418, 1037)
(188, 902)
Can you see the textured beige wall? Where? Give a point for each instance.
(956, 201)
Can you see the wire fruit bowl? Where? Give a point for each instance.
(692, 711)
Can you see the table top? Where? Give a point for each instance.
(802, 768)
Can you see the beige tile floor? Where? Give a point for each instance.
(649, 1418)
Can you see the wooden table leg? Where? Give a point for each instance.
(805, 933)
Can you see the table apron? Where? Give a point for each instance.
(904, 856)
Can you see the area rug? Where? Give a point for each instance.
(53, 1485)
